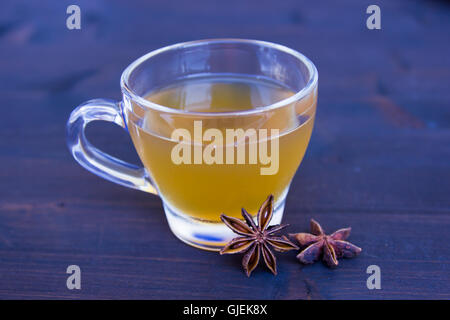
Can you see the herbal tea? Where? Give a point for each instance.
(226, 162)
(219, 124)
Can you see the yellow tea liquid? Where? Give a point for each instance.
(204, 191)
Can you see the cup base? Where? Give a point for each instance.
(211, 236)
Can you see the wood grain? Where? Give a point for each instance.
(379, 158)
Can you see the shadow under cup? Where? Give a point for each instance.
(196, 193)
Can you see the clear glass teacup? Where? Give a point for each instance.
(204, 162)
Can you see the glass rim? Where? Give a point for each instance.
(300, 94)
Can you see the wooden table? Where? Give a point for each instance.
(379, 157)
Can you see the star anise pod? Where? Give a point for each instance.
(329, 247)
(256, 239)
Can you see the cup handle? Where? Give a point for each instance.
(93, 159)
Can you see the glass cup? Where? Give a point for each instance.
(195, 194)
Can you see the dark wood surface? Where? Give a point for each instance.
(379, 157)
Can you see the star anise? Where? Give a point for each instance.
(255, 239)
(330, 247)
